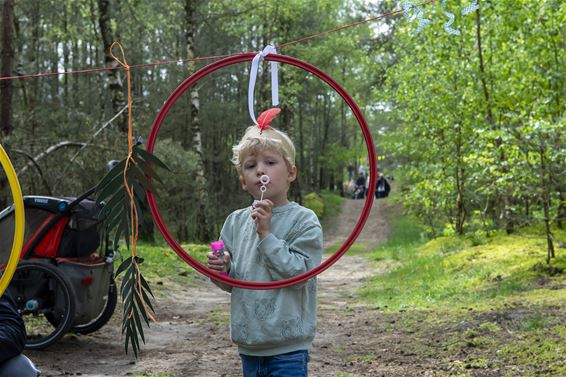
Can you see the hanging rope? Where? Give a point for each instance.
(468, 9)
(134, 219)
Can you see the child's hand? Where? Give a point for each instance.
(218, 263)
(262, 217)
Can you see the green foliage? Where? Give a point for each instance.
(453, 272)
(137, 177)
(473, 308)
(123, 190)
(314, 202)
(164, 269)
(325, 205)
(335, 159)
(178, 188)
(332, 203)
(481, 141)
(135, 294)
(406, 234)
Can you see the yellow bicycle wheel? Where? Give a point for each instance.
(19, 220)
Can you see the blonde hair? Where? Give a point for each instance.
(255, 139)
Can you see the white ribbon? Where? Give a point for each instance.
(470, 8)
(253, 75)
(447, 27)
(418, 13)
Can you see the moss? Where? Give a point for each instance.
(218, 317)
(541, 353)
(363, 358)
(490, 327)
(493, 305)
(454, 270)
(479, 363)
(533, 322)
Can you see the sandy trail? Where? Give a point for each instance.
(191, 336)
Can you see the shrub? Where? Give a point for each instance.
(314, 202)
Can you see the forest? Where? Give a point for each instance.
(468, 118)
(460, 271)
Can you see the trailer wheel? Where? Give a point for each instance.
(46, 301)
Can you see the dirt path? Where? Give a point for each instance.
(191, 336)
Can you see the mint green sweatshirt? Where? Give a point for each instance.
(272, 322)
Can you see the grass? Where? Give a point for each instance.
(493, 304)
(406, 234)
(332, 203)
(357, 248)
(455, 271)
(164, 269)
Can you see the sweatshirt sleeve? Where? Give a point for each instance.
(287, 259)
(226, 237)
(12, 329)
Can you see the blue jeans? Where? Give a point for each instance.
(292, 364)
(18, 365)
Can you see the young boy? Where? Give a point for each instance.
(273, 239)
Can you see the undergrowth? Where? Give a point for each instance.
(491, 305)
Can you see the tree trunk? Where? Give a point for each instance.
(114, 79)
(545, 183)
(54, 87)
(506, 199)
(460, 179)
(7, 86)
(66, 53)
(75, 84)
(204, 231)
(561, 209)
(300, 158)
(324, 175)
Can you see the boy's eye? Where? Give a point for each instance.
(249, 165)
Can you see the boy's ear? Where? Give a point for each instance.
(243, 184)
(292, 174)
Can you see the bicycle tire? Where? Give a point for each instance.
(40, 283)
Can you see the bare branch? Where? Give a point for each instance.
(98, 132)
(51, 149)
(34, 163)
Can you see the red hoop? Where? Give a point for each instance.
(190, 81)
